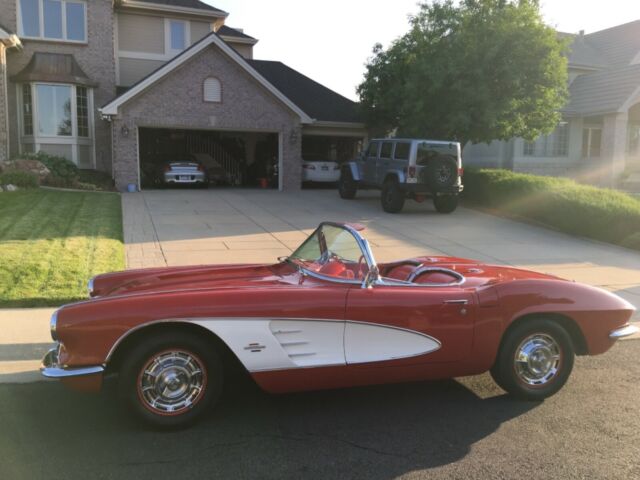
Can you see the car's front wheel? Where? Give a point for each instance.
(535, 359)
(392, 197)
(347, 187)
(445, 203)
(171, 379)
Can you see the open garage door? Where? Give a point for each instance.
(226, 159)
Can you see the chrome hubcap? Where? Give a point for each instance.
(171, 382)
(537, 359)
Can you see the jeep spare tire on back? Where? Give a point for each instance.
(441, 172)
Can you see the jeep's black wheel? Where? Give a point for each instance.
(392, 197)
(441, 172)
(347, 187)
(535, 359)
(171, 379)
(445, 203)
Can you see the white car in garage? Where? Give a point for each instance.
(318, 169)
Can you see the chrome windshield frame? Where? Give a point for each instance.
(365, 249)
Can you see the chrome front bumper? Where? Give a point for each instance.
(50, 367)
(625, 331)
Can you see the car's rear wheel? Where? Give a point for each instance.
(535, 359)
(445, 203)
(171, 379)
(392, 197)
(347, 187)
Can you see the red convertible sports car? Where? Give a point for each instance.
(327, 316)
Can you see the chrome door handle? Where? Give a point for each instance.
(461, 301)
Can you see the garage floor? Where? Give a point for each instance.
(185, 227)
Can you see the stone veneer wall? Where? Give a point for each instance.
(95, 58)
(4, 133)
(176, 101)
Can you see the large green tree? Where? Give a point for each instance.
(473, 70)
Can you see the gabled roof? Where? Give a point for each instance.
(213, 38)
(315, 99)
(619, 45)
(583, 54)
(197, 4)
(225, 31)
(235, 36)
(604, 91)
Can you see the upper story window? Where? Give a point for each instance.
(177, 36)
(64, 20)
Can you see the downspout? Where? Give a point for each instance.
(13, 42)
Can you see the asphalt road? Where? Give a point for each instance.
(463, 429)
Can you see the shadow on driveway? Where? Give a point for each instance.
(373, 432)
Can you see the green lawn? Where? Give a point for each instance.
(52, 243)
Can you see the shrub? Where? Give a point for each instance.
(19, 179)
(597, 213)
(60, 167)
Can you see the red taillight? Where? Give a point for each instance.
(460, 171)
(167, 168)
(411, 171)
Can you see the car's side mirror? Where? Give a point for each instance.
(371, 278)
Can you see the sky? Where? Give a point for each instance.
(331, 40)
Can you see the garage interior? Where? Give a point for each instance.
(239, 159)
(330, 148)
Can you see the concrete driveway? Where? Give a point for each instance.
(185, 227)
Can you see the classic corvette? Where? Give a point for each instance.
(327, 316)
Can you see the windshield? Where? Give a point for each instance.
(332, 251)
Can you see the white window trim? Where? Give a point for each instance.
(591, 129)
(64, 39)
(171, 52)
(73, 140)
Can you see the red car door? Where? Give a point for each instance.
(408, 325)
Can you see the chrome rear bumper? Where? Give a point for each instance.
(625, 331)
(50, 367)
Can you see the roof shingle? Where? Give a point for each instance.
(197, 4)
(314, 99)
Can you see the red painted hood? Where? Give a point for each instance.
(183, 278)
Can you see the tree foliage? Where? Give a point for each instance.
(474, 70)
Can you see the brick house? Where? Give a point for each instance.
(598, 139)
(120, 85)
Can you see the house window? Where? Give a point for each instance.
(591, 142)
(556, 144)
(82, 111)
(27, 110)
(56, 119)
(54, 110)
(212, 90)
(177, 35)
(52, 19)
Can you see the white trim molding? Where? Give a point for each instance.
(111, 108)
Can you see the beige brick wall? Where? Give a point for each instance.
(176, 102)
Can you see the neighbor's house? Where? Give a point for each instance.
(599, 136)
(114, 85)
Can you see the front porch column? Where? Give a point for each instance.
(614, 146)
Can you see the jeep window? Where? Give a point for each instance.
(385, 151)
(427, 152)
(372, 151)
(402, 151)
